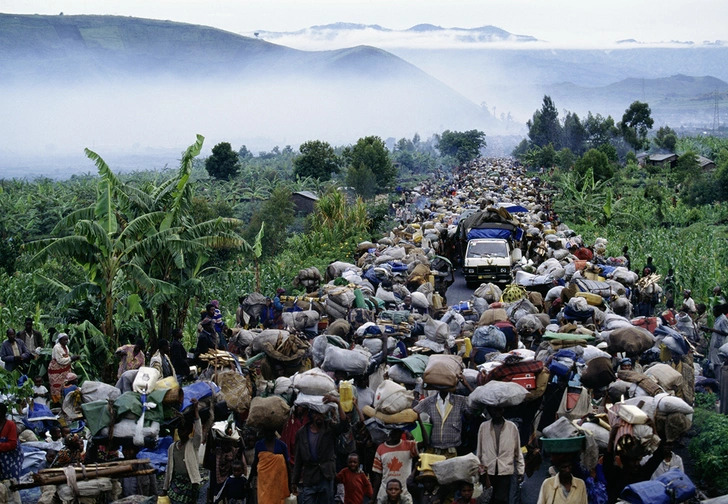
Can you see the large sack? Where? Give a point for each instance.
(520, 309)
(442, 371)
(349, 361)
(272, 336)
(456, 469)
(667, 403)
(314, 382)
(529, 324)
(315, 403)
(268, 412)
(300, 320)
(98, 391)
(666, 376)
(493, 315)
(495, 393)
(235, 390)
(598, 373)
(419, 300)
(561, 428)
(634, 340)
(601, 435)
(490, 292)
(436, 330)
(391, 398)
(489, 337)
(342, 296)
(400, 373)
(339, 327)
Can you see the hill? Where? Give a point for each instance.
(117, 82)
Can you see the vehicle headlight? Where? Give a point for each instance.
(471, 270)
(504, 270)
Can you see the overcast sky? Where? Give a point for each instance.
(568, 23)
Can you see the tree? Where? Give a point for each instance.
(597, 162)
(565, 159)
(317, 160)
(636, 123)
(544, 127)
(573, 134)
(666, 138)
(599, 130)
(363, 180)
(520, 150)
(686, 168)
(278, 212)
(463, 146)
(373, 154)
(244, 153)
(223, 163)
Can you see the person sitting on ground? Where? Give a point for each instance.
(72, 453)
(563, 488)
(394, 494)
(71, 384)
(161, 361)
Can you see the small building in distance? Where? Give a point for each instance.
(706, 164)
(304, 201)
(662, 160)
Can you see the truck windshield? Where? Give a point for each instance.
(487, 249)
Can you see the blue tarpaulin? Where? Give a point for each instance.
(489, 233)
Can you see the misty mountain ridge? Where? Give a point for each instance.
(343, 31)
(114, 82)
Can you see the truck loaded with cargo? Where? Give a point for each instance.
(488, 241)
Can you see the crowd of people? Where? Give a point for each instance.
(371, 388)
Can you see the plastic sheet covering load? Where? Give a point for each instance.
(601, 435)
(352, 362)
(85, 489)
(660, 490)
(489, 337)
(443, 371)
(456, 469)
(633, 340)
(315, 403)
(146, 380)
(490, 292)
(498, 394)
(198, 390)
(98, 391)
(235, 390)
(391, 398)
(666, 403)
(314, 382)
(268, 413)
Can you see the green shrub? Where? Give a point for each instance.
(709, 449)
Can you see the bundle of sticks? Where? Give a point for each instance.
(116, 469)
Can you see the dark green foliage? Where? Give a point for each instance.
(223, 163)
(687, 168)
(544, 127)
(610, 151)
(278, 214)
(597, 162)
(373, 154)
(463, 146)
(574, 134)
(599, 130)
(244, 153)
(666, 138)
(636, 123)
(317, 160)
(565, 158)
(362, 179)
(520, 150)
(709, 448)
